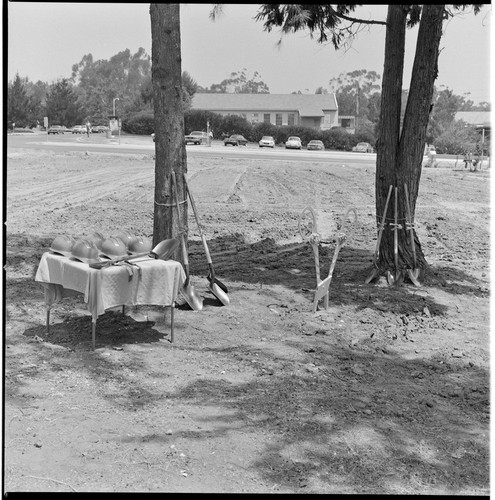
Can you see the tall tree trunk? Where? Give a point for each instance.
(400, 153)
(389, 126)
(413, 136)
(170, 149)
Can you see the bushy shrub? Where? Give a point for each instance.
(260, 129)
(233, 124)
(365, 133)
(195, 119)
(458, 139)
(142, 123)
(337, 138)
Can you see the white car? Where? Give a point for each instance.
(293, 142)
(363, 147)
(267, 141)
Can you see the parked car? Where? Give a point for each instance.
(196, 137)
(316, 145)
(56, 129)
(99, 129)
(293, 142)
(267, 141)
(235, 140)
(78, 129)
(363, 147)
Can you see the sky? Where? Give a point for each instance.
(46, 39)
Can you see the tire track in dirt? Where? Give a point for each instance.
(216, 184)
(83, 188)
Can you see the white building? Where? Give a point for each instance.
(318, 111)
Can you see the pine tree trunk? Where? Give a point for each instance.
(170, 148)
(413, 136)
(400, 153)
(389, 129)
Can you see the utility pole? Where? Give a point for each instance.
(357, 105)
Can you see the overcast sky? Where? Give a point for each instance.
(46, 39)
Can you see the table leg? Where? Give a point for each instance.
(48, 321)
(93, 332)
(172, 323)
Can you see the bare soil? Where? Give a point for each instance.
(386, 392)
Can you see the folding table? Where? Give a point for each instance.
(147, 282)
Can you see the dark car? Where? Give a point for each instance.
(56, 129)
(235, 140)
(196, 137)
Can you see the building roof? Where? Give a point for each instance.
(305, 104)
(477, 118)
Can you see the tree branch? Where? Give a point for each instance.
(354, 20)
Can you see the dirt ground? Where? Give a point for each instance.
(386, 392)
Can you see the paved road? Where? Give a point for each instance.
(142, 144)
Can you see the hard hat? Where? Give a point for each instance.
(97, 238)
(139, 244)
(125, 236)
(62, 245)
(113, 247)
(85, 251)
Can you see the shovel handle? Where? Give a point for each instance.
(107, 263)
(203, 238)
(396, 233)
(382, 225)
(411, 230)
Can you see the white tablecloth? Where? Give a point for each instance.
(152, 282)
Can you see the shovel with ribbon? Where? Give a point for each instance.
(216, 287)
(323, 286)
(414, 273)
(188, 290)
(395, 278)
(309, 232)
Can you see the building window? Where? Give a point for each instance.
(345, 122)
(254, 118)
(266, 117)
(291, 120)
(278, 119)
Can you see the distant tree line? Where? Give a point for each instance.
(95, 85)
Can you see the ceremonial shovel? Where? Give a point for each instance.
(188, 290)
(323, 286)
(216, 287)
(374, 273)
(413, 273)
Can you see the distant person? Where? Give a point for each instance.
(468, 160)
(88, 128)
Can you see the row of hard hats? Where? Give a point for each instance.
(96, 247)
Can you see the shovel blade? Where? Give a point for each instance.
(195, 302)
(215, 281)
(219, 294)
(166, 248)
(414, 275)
(395, 279)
